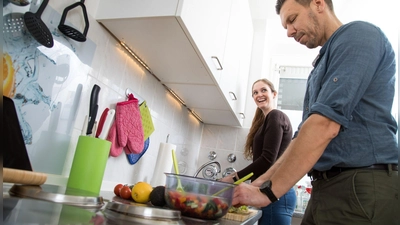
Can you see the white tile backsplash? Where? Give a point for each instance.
(227, 138)
(223, 140)
(210, 136)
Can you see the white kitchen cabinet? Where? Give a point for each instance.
(185, 42)
(233, 81)
(207, 23)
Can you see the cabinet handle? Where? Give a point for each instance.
(219, 63)
(233, 96)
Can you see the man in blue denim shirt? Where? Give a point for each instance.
(347, 139)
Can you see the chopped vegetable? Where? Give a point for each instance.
(241, 209)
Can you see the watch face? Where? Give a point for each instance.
(265, 184)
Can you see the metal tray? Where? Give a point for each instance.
(46, 194)
(119, 218)
(137, 210)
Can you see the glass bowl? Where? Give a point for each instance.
(200, 198)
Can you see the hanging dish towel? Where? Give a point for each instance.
(147, 122)
(134, 158)
(148, 129)
(127, 130)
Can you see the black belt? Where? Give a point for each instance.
(318, 175)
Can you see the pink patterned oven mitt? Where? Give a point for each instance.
(129, 125)
(126, 133)
(116, 149)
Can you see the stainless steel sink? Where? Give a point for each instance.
(210, 170)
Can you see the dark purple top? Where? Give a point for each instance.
(270, 141)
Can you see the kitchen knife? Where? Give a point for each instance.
(107, 124)
(91, 126)
(93, 107)
(84, 128)
(101, 122)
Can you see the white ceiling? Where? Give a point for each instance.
(263, 9)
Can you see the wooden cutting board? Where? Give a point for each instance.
(11, 175)
(239, 216)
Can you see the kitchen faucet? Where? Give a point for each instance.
(213, 170)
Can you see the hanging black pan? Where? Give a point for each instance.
(70, 31)
(37, 27)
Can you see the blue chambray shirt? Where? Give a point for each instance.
(353, 84)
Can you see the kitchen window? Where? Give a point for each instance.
(291, 93)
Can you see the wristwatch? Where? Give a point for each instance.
(234, 179)
(265, 188)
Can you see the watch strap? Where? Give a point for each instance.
(268, 192)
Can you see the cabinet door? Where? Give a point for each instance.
(206, 24)
(234, 77)
(246, 40)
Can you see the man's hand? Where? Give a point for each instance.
(247, 194)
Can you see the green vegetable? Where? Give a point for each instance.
(211, 206)
(241, 209)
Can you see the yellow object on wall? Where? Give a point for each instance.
(147, 122)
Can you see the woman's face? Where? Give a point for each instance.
(263, 96)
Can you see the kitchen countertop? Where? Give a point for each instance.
(17, 210)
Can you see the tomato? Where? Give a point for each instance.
(125, 192)
(117, 189)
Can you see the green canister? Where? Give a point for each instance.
(89, 164)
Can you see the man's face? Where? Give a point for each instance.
(301, 23)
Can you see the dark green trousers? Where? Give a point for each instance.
(355, 197)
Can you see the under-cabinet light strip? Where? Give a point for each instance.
(126, 47)
(141, 62)
(195, 115)
(135, 56)
(175, 95)
(182, 102)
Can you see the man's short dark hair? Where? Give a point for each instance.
(305, 3)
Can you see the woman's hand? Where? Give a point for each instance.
(228, 179)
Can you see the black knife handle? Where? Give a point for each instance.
(93, 107)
